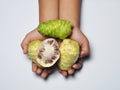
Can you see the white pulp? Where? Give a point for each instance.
(49, 51)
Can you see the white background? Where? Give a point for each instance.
(100, 23)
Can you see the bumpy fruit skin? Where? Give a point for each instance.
(55, 28)
(69, 50)
(33, 50)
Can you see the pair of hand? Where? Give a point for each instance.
(76, 35)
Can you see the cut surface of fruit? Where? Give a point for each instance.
(48, 53)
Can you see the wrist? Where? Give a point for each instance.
(45, 19)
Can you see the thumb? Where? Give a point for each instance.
(85, 50)
(24, 44)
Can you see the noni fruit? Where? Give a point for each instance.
(69, 50)
(55, 28)
(33, 50)
(44, 53)
(48, 52)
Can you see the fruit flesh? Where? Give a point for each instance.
(48, 53)
(55, 28)
(69, 50)
(44, 53)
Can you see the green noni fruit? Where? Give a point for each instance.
(55, 28)
(33, 50)
(69, 51)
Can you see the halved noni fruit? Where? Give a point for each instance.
(44, 53)
(69, 51)
(48, 53)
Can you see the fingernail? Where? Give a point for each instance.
(82, 54)
(44, 75)
(38, 71)
(74, 66)
(64, 73)
(71, 71)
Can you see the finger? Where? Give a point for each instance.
(39, 71)
(46, 72)
(25, 43)
(34, 67)
(85, 50)
(64, 73)
(71, 71)
(77, 65)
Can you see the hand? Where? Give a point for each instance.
(84, 46)
(35, 35)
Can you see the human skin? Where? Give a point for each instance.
(70, 10)
(48, 10)
(53, 10)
